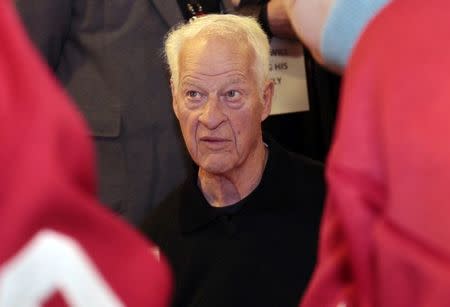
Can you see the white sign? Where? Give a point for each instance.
(287, 70)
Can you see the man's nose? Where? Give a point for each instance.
(212, 115)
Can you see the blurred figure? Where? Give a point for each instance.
(243, 230)
(330, 28)
(59, 247)
(107, 55)
(385, 239)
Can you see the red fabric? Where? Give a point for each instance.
(56, 300)
(46, 176)
(385, 238)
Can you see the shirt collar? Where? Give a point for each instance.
(195, 212)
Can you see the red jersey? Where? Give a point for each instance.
(59, 246)
(385, 238)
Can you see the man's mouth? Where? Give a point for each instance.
(214, 142)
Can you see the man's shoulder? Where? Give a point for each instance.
(297, 165)
(306, 168)
(301, 178)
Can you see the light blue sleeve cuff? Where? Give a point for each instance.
(346, 22)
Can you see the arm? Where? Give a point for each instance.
(308, 18)
(279, 22)
(330, 28)
(48, 24)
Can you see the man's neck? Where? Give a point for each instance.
(222, 190)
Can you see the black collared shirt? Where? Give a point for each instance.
(261, 254)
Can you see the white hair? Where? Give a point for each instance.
(234, 27)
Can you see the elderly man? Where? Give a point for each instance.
(243, 231)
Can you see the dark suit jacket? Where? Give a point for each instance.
(108, 56)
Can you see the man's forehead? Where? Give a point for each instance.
(215, 55)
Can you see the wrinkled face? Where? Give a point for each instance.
(219, 104)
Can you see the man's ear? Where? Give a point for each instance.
(174, 102)
(267, 99)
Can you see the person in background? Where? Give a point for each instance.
(107, 55)
(331, 28)
(385, 235)
(59, 246)
(242, 231)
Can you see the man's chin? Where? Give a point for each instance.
(215, 166)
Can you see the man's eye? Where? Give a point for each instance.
(233, 95)
(193, 94)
